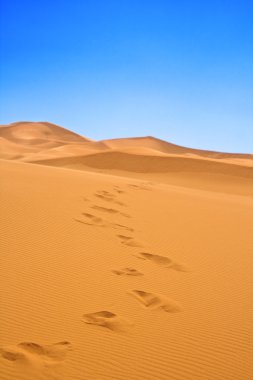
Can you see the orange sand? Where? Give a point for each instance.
(126, 259)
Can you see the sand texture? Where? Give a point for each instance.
(125, 259)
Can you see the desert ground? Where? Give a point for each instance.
(123, 259)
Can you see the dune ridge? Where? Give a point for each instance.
(134, 163)
(166, 147)
(140, 157)
(52, 140)
(37, 133)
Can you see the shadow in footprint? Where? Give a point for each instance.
(12, 355)
(162, 261)
(122, 227)
(106, 319)
(156, 301)
(127, 272)
(143, 186)
(90, 220)
(118, 190)
(108, 197)
(110, 211)
(105, 209)
(56, 351)
(30, 351)
(129, 241)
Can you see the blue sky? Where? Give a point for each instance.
(178, 70)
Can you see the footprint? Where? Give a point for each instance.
(110, 210)
(105, 209)
(106, 319)
(91, 220)
(94, 218)
(56, 351)
(106, 196)
(127, 272)
(139, 187)
(33, 348)
(118, 190)
(122, 226)
(162, 261)
(12, 354)
(156, 301)
(128, 240)
(105, 193)
(29, 351)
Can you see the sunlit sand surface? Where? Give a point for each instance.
(125, 259)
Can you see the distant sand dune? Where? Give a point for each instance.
(29, 133)
(158, 145)
(149, 164)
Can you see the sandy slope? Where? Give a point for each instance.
(124, 273)
(201, 173)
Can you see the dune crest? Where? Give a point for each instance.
(140, 157)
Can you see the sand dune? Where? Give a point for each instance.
(65, 150)
(178, 170)
(10, 150)
(165, 147)
(30, 133)
(47, 140)
(28, 141)
(126, 263)
(149, 164)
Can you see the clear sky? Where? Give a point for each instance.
(180, 70)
